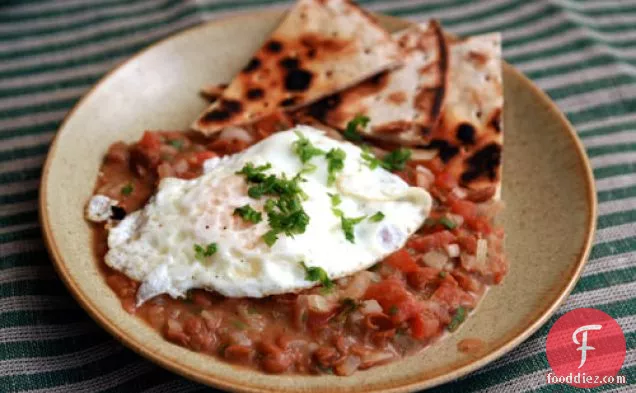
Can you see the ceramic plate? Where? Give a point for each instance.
(548, 190)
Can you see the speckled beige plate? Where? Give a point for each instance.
(548, 190)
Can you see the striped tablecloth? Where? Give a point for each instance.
(583, 53)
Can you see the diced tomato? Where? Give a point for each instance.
(395, 300)
(445, 181)
(150, 140)
(423, 276)
(451, 294)
(402, 260)
(432, 241)
(469, 211)
(468, 243)
(201, 156)
(424, 326)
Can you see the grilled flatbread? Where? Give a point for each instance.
(447, 97)
(403, 105)
(469, 133)
(321, 47)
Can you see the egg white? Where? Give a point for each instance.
(155, 245)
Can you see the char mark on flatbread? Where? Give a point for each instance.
(321, 47)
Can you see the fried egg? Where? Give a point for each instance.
(156, 245)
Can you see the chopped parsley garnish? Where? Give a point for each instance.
(370, 158)
(393, 310)
(335, 158)
(443, 274)
(304, 149)
(127, 189)
(254, 174)
(201, 252)
(285, 213)
(247, 213)
(458, 318)
(447, 222)
(308, 168)
(315, 273)
(393, 161)
(335, 199)
(377, 217)
(348, 224)
(351, 132)
(176, 143)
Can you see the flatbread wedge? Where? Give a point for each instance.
(321, 47)
(448, 98)
(403, 105)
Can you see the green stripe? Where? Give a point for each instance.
(19, 218)
(42, 317)
(617, 193)
(576, 65)
(18, 197)
(615, 247)
(614, 170)
(33, 258)
(65, 11)
(610, 149)
(618, 218)
(629, 125)
(24, 234)
(610, 82)
(605, 279)
(57, 347)
(40, 287)
(24, 152)
(602, 111)
(96, 21)
(119, 361)
(71, 82)
(39, 129)
(578, 45)
(18, 176)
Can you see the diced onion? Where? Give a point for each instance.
(373, 358)
(482, 252)
(348, 366)
(319, 303)
(370, 306)
(459, 192)
(423, 154)
(235, 133)
(452, 250)
(435, 259)
(239, 337)
(358, 285)
(424, 177)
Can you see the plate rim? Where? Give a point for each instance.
(214, 380)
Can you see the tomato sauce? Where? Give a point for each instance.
(394, 309)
